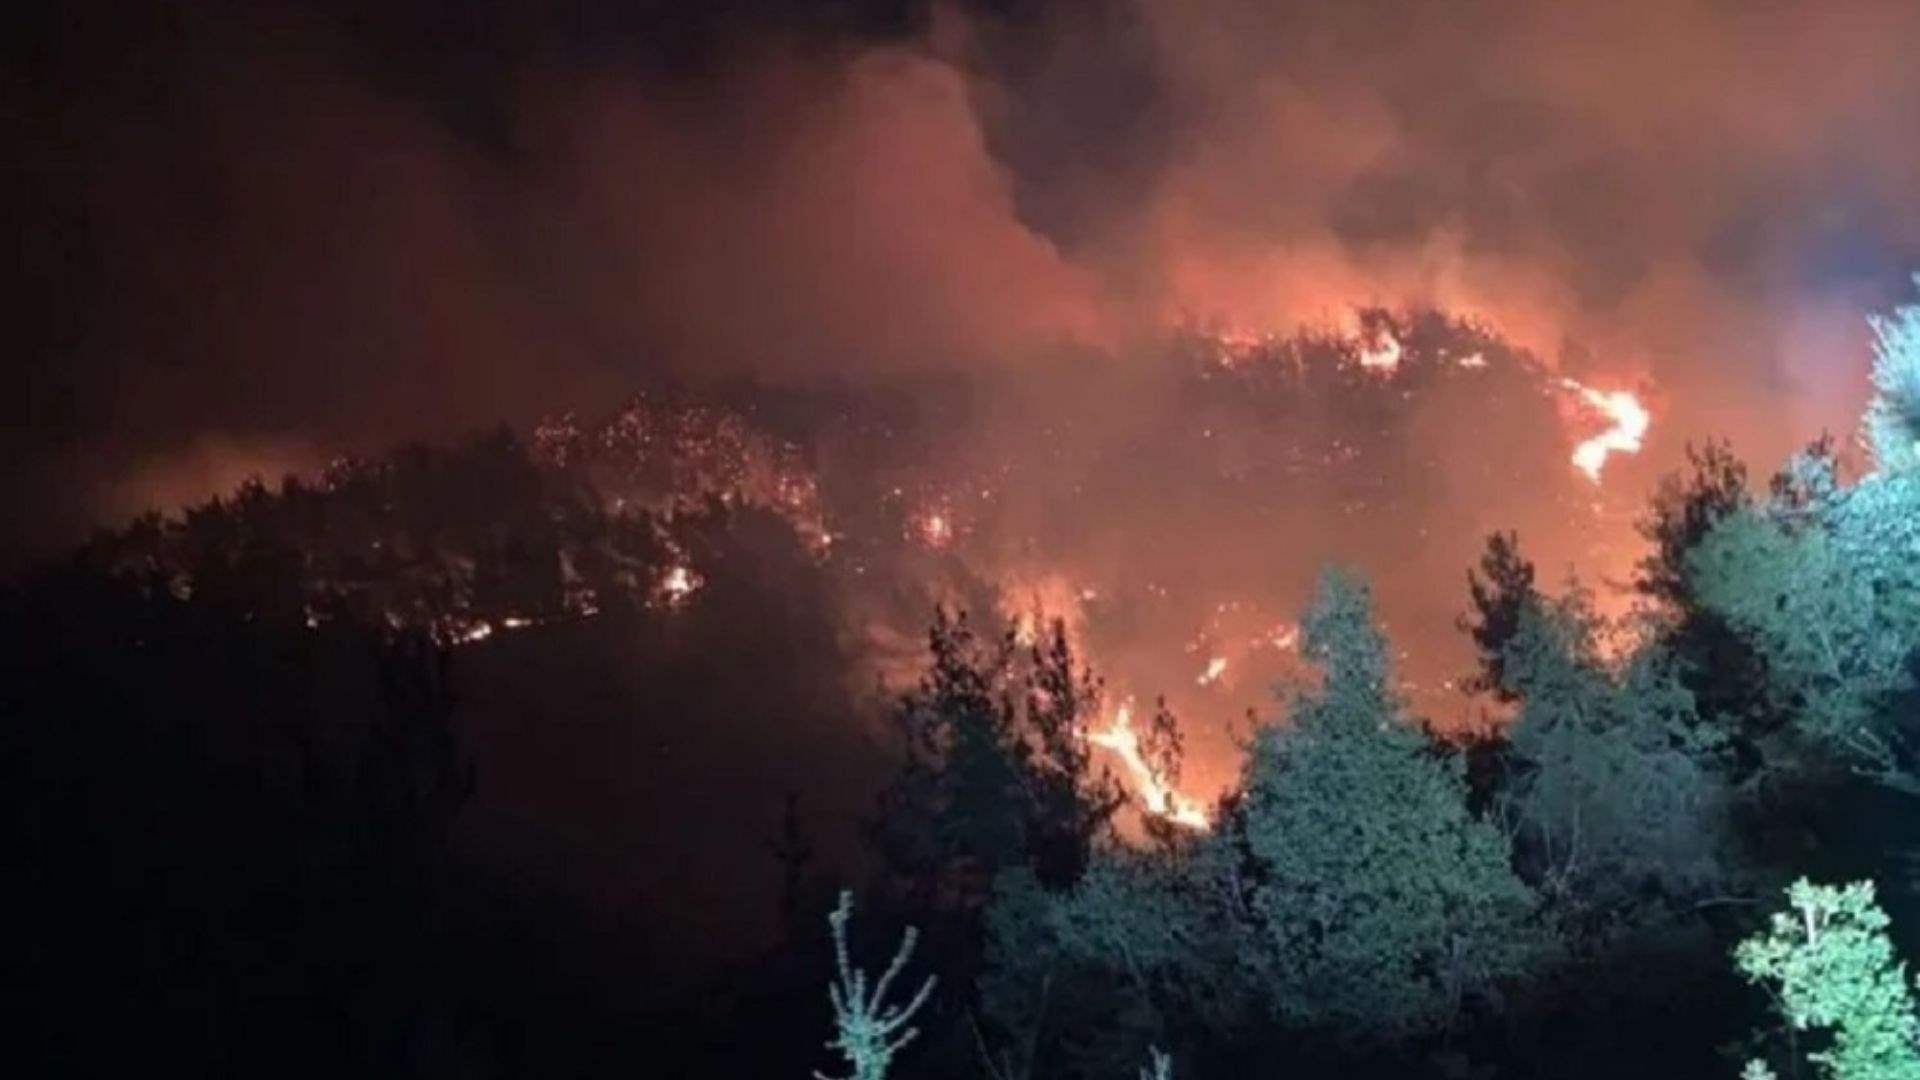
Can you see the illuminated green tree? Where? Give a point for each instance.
(1076, 980)
(1612, 788)
(1891, 428)
(1828, 595)
(1831, 969)
(1372, 903)
(869, 1031)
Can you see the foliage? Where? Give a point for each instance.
(1831, 602)
(1614, 793)
(1831, 968)
(1376, 904)
(1807, 485)
(1068, 803)
(1347, 892)
(1726, 675)
(1683, 511)
(1891, 427)
(441, 540)
(1499, 599)
(995, 772)
(1821, 583)
(870, 1031)
(953, 810)
(1072, 978)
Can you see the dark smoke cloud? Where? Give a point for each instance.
(291, 230)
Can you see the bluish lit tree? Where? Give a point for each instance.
(1831, 969)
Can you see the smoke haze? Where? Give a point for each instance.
(271, 235)
(260, 236)
(339, 227)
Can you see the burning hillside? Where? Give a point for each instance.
(1169, 523)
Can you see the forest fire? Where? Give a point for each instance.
(676, 585)
(1629, 422)
(933, 528)
(1246, 536)
(663, 468)
(1156, 797)
(1381, 354)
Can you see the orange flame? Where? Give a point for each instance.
(1382, 353)
(934, 529)
(1161, 800)
(1630, 422)
(676, 586)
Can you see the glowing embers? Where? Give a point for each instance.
(1160, 799)
(1628, 420)
(675, 587)
(1233, 347)
(1379, 350)
(932, 528)
(667, 455)
(471, 632)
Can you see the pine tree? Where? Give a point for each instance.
(1718, 664)
(955, 813)
(1684, 510)
(1069, 800)
(996, 770)
(1891, 427)
(1616, 796)
(1499, 598)
(1375, 903)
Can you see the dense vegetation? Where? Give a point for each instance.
(1560, 898)
(233, 773)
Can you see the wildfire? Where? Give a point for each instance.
(934, 529)
(1232, 346)
(668, 454)
(1630, 421)
(1381, 353)
(676, 585)
(1161, 800)
(471, 633)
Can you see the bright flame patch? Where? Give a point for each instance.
(1161, 800)
(1630, 421)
